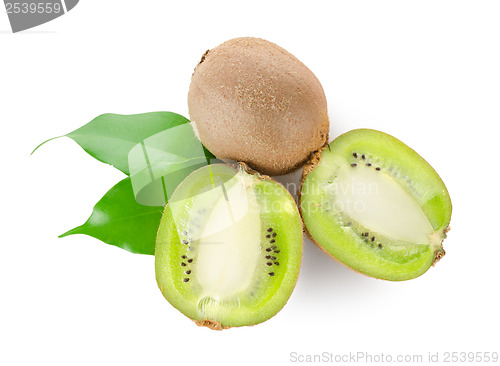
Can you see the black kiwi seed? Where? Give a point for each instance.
(277, 263)
(268, 257)
(373, 238)
(188, 271)
(190, 261)
(354, 165)
(183, 264)
(273, 258)
(268, 236)
(274, 247)
(355, 155)
(377, 168)
(380, 246)
(366, 234)
(183, 257)
(363, 156)
(270, 229)
(271, 273)
(368, 164)
(184, 242)
(269, 263)
(268, 249)
(276, 251)
(273, 241)
(186, 279)
(274, 235)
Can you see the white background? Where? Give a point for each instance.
(427, 72)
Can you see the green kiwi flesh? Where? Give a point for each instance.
(375, 205)
(229, 247)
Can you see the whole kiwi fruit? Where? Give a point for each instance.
(252, 101)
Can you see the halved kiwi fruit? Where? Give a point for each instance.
(229, 247)
(374, 204)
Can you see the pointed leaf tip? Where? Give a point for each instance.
(43, 143)
(73, 231)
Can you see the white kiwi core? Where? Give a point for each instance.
(228, 244)
(377, 202)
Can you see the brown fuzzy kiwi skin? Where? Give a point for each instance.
(309, 167)
(250, 100)
(210, 324)
(213, 324)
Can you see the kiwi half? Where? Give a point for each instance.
(374, 204)
(229, 247)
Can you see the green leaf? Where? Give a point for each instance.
(157, 150)
(110, 137)
(117, 219)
